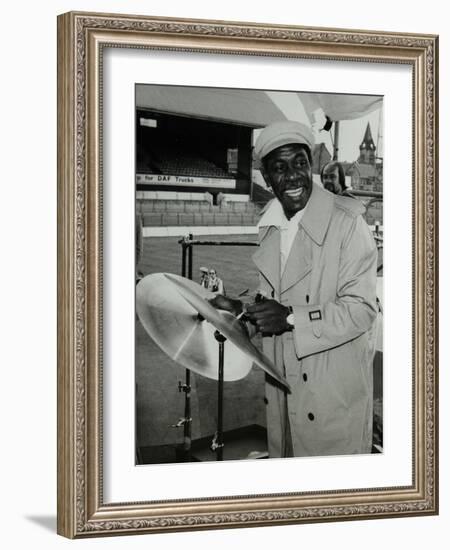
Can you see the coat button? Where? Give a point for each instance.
(311, 416)
(272, 293)
(266, 401)
(305, 376)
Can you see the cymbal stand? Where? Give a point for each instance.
(217, 442)
(186, 387)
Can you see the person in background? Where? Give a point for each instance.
(332, 177)
(215, 283)
(204, 277)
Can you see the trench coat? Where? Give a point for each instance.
(330, 283)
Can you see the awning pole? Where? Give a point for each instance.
(336, 140)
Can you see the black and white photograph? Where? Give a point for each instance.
(259, 274)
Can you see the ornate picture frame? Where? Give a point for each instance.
(82, 41)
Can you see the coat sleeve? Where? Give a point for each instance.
(319, 327)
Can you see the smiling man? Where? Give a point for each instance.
(317, 263)
(333, 178)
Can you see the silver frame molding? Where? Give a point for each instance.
(81, 38)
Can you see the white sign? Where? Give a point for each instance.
(149, 122)
(191, 181)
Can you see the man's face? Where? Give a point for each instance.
(288, 171)
(330, 179)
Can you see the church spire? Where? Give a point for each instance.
(367, 148)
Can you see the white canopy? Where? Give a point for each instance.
(340, 106)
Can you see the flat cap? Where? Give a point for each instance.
(282, 133)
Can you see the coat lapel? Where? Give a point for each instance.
(314, 224)
(299, 262)
(317, 215)
(267, 257)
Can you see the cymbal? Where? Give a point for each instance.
(168, 306)
(173, 323)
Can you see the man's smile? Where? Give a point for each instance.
(294, 193)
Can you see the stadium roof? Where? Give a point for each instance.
(252, 108)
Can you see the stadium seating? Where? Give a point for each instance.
(202, 209)
(160, 213)
(168, 213)
(179, 162)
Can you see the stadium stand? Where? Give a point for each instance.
(167, 213)
(178, 161)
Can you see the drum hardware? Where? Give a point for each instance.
(214, 443)
(181, 422)
(183, 387)
(217, 444)
(177, 315)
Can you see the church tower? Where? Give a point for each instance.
(367, 148)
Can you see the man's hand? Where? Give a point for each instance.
(227, 304)
(269, 316)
